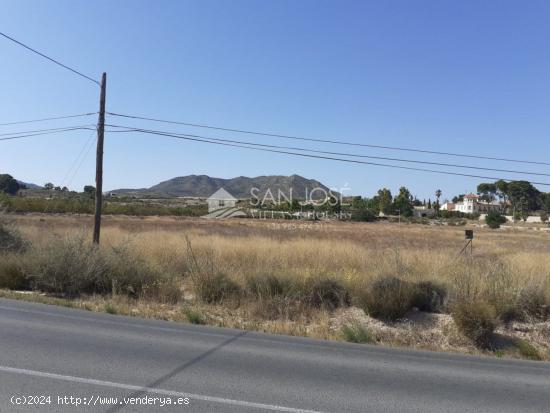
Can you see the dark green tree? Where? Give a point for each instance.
(8, 184)
(494, 219)
(385, 201)
(90, 191)
(523, 196)
(487, 191)
(403, 203)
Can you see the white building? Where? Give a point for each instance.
(220, 199)
(447, 206)
(468, 204)
(471, 205)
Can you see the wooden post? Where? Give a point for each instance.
(99, 160)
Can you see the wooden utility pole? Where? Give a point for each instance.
(99, 160)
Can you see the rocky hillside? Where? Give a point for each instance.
(203, 186)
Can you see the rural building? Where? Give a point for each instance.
(447, 206)
(471, 205)
(220, 199)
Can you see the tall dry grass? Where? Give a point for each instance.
(502, 265)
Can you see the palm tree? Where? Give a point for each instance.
(437, 195)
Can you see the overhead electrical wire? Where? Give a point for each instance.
(46, 132)
(211, 141)
(48, 58)
(338, 142)
(343, 153)
(48, 119)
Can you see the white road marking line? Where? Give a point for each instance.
(164, 392)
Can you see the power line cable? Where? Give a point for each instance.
(44, 133)
(49, 58)
(65, 180)
(47, 119)
(338, 142)
(181, 136)
(344, 153)
(47, 130)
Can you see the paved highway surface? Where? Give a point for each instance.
(101, 358)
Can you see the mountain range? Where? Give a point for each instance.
(203, 186)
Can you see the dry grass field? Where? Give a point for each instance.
(331, 280)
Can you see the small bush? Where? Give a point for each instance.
(528, 351)
(388, 298)
(10, 238)
(131, 274)
(326, 293)
(216, 288)
(477, 321)
(73, 266)
(428, 296)
(356, 333)
(264, 287)
(363, 214)
(534, 303)
(70, 266)
(210, 285)
(194, 317)
(12, 276)
(110, 308)
(494, 219)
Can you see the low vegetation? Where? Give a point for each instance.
(363, 283)
(477, 321)
(85, 205)
(494, 219)
(356, 333)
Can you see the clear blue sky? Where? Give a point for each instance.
(458, 76)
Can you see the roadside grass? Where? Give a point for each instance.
(356, 333)
(193, 316)
(528, 351)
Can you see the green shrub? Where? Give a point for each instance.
(363, 214)
(10, 238)
(194, 317)
(73, 266)
(326, 293)
(69, 266)
(356, 333)
(428, 296)
(110, 308)
(215, 288)
(477, 321)
(12, 275)
(131, 274)
(388, 298)
(534, 303)
(265, 287)
(528, 351)
(494, 219)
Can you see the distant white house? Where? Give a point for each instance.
(471, 205)
(220, 199)
(447, 206)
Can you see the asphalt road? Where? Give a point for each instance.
(100, 358)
